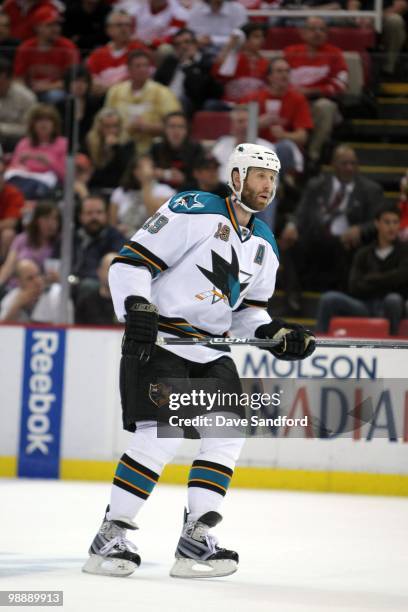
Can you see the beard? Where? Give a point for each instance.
(94, 228)
(249, 197)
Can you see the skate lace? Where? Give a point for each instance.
(212, 542)
(199, 531)
(116, 537)
(118, 543)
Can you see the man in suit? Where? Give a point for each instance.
(334, 217)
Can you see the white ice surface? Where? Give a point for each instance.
(300, 552)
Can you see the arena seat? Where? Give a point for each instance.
(348, 39)
(359, 327)
(210, 125)
(352, 39)
(403, 328)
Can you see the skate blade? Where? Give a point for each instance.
(191, 568)
(96, 564)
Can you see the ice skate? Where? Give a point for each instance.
(198, 554)
(110, 553)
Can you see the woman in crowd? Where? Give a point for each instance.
(39, 242)
(77, 80)
(37, 165)
(107, 149)
(138, 197)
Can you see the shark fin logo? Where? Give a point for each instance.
(188, 201)
(225, 276)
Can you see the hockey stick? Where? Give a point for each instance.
(267, 343)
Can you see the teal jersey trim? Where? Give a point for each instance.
(263, 231)
(198, 202)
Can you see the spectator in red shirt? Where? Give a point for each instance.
(11, 204)
(22, 15)
(242, 69)
(108, 64)
(42, 61)
(403, 207)
(320, 72)
(8, 44)
(284, 116)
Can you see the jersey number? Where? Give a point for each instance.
(155, 223)
(222, 232)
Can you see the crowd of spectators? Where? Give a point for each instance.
(119, 84)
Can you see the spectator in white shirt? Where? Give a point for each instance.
(156, 21)
(238, 133)
(138, 197)
(32, 301)
(16, 100)
(213, 21)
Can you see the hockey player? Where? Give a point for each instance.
(201, 266)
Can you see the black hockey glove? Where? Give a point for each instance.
(297, 342)
(142, 319)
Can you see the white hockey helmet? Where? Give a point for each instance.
(247, 155)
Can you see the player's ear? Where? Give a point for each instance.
(236, 179)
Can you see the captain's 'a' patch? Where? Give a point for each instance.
(260, 254)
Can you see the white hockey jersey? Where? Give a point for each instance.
(209, 276)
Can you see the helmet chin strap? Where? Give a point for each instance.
(247, 209)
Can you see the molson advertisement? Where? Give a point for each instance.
(354, 393)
